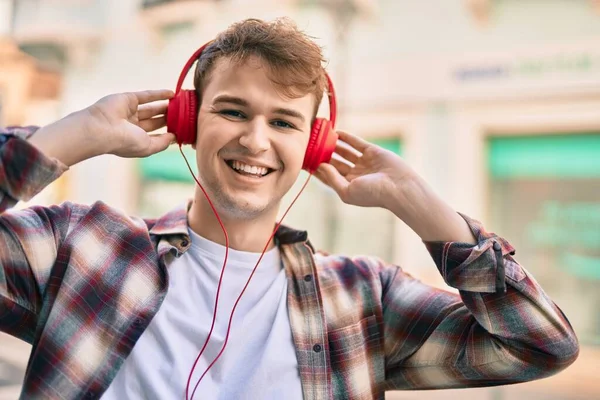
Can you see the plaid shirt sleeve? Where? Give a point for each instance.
(28, 238)
(501, 328)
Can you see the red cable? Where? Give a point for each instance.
(221, 278)
(247, 283)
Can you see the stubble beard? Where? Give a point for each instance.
(227, 204)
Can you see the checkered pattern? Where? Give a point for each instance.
(81, 283)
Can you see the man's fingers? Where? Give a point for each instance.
(147, 96)
(354, 141)
(319, 175)
(342, 167)
(347, 153)
(159, 143)
(150, 110)
(333, 178)
(153, 124)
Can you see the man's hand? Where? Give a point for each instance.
(366, 175)
(116, 124)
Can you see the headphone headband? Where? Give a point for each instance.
(198, 53)
(332, 101)
(188, 65)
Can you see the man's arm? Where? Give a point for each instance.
(484, 336)
(116, 124)
(24, 172)
(501, 328)
(30, 159)
(28, 238)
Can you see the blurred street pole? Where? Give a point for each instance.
(8, 17)
(342, 13)
(13, 16)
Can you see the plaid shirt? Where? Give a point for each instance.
(81, 284)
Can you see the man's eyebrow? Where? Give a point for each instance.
(290, 113)
(225, 98)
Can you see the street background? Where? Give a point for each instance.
(496, 103)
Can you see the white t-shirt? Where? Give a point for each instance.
(259, 361)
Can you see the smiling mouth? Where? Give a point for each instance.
(247, 170)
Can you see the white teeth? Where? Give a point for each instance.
(249, 169)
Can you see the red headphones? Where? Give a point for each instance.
(182, 116)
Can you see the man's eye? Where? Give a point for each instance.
(283, 124)
(232, 113)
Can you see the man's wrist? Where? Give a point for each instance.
(69, 140)
(427, 214)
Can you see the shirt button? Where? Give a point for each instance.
(308, 278)
(317, 348)
(497, 246)
(90, 395)
(138, 322)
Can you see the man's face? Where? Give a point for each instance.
(251, 141)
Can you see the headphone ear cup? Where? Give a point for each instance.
(182, 115)
(321, 145)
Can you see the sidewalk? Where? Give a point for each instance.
(13, 361)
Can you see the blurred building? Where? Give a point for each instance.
(495, 102)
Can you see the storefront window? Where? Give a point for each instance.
(545, 199)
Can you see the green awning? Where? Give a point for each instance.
(169, 165)
(392, 144)
(545, 156)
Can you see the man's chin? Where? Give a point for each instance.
(232, 202)
(241, 208)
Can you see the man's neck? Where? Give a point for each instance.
(244, 234)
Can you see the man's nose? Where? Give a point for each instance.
(256, 136)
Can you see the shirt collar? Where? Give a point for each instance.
(175, 223)
(172, 223)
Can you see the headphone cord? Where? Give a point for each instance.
(221, 278)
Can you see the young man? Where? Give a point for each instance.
(119, 307)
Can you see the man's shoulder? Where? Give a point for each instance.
(341, 266)
(356, 260)
(100, 213)
(354, 284)
(73, 213)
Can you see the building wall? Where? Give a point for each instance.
(429, 73)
